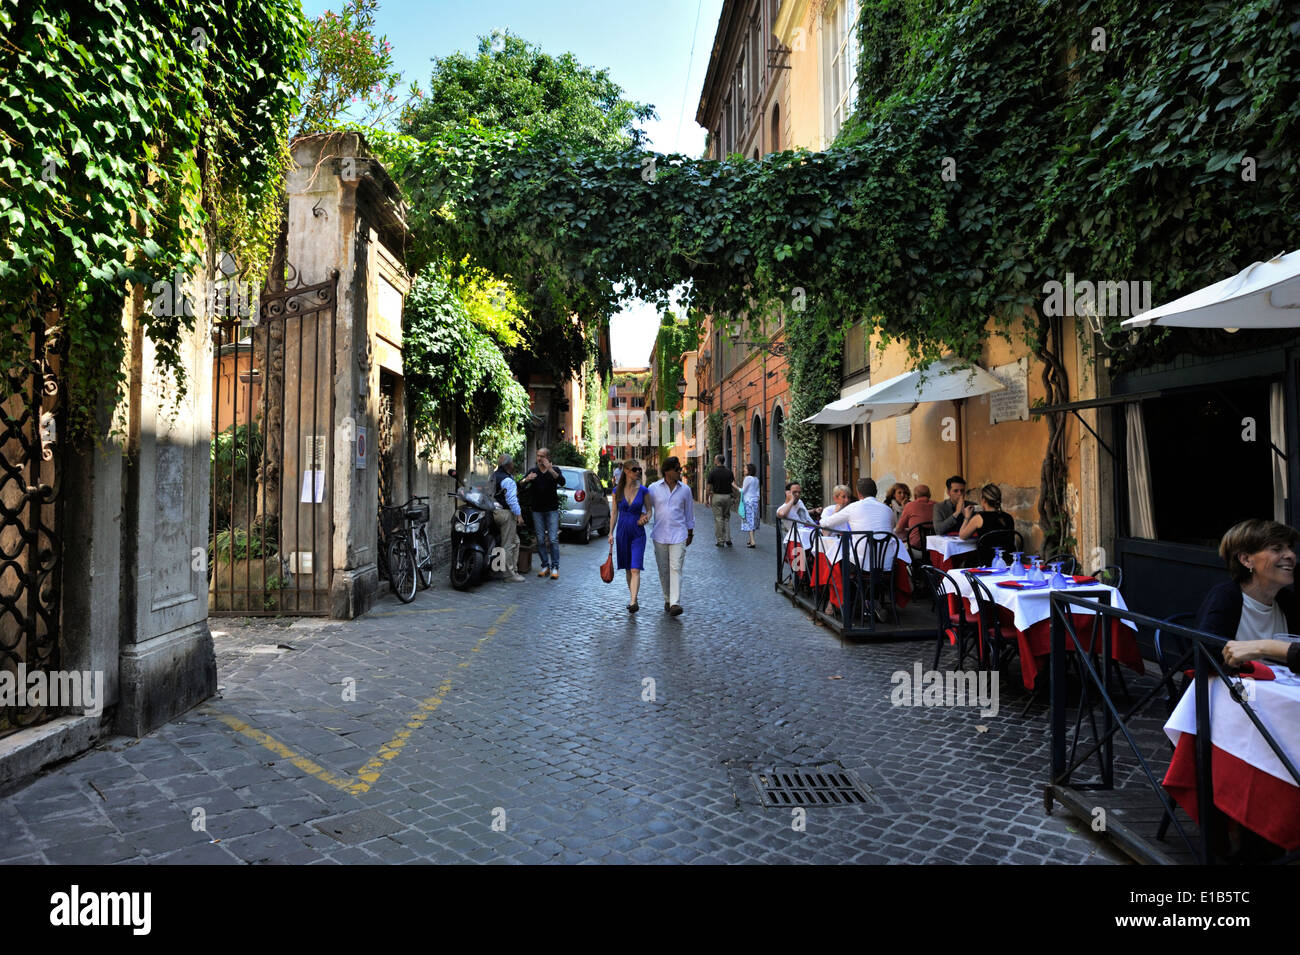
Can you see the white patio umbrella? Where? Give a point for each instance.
(1263, 295)
(940, 381)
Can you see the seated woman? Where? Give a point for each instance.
(897, 499)
(1259, 600)
(840, 495)
(989, 518)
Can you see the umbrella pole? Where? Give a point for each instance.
(961, 447)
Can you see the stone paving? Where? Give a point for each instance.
(515, 724)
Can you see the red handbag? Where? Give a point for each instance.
(607, 568)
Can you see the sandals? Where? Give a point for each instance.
(749, 545)
(633, 608)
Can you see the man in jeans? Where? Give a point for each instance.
(545, 478)
(507, 516)
(673, 508)
(721, 481)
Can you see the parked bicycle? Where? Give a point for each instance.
(417, 518)
(397, 552)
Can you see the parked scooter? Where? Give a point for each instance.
(474, 536)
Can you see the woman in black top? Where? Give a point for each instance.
(991, 518)
(1259, 600)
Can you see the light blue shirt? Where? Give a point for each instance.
(512, 495)
(674, 512)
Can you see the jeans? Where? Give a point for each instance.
(547, 526)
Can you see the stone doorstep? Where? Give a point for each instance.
(27, 752)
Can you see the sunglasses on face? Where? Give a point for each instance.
(635, 470)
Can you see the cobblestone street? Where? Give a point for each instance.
(511, 724)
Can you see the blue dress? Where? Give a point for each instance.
(629, 536)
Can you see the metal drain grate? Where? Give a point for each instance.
(783, 787)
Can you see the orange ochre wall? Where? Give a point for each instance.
(1009, 453)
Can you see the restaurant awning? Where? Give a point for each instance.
(943, 380)
(1263, 295)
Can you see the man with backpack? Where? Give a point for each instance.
(508, 517)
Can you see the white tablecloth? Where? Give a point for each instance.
(831, 543)
(1276, 703)
(1027, 607)
(949, 547)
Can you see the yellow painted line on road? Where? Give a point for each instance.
(369, 774)
(403, 613)
(284, 752)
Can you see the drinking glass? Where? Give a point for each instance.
(1017, 568)
(1058, 581)
(1035, 571)
(999, 565)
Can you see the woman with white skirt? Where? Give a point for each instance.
(749, 496)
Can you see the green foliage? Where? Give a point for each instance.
(512, 85)
(564, 452)
(452, 366)
(134, 131)
(237, 452)
(594, 423)
(714, 446)
(816, 346)
(347, 64)
(673, 340)
(240, 543)
(997, 146)
(511, 88)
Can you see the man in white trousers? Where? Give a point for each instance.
(673, 508)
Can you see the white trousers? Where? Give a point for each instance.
(669, 559)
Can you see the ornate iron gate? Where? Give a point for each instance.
(31, 511)
(272, 456)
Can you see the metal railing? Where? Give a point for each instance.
(859, 590)
(1203, 655)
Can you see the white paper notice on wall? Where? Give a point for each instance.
(1012, 403)
(313, 487)
(903, 429)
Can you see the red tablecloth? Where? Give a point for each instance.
(939, 561)
(827, 573)
(1037, 640)
(1258, 800)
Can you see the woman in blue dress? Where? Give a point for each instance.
(629, 531)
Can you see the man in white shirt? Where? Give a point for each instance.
(864, 514)
(673, 506)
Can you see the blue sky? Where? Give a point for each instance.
(645, 46)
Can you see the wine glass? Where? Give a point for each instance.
(1017, 568)
(1058, 580)
(1035, 571)
(999, 565)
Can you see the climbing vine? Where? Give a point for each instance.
(136, 135)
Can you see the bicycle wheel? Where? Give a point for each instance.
(423, 558)
(401, 569)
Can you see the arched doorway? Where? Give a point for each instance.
(776, 488)
(726, 445)
(757, 455)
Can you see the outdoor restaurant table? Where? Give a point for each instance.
(1250, 783)
(826, 572)
(1028, 613)
(943, 548)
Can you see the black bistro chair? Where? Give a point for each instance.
(1009, 541)
(1110, 575)
(1068, 564)
(1170, 649)
(960, 628)
(996, 648)
(920, 556)
(875, 587)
